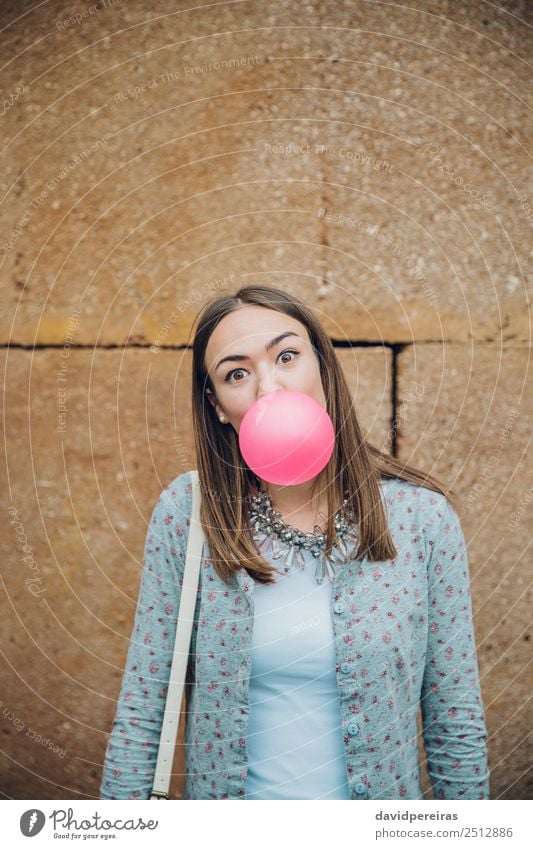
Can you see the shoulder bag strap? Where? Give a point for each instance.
(178, 670)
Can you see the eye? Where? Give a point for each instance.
(288, 351)
(235, 370)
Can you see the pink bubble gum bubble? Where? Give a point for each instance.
(286, 438)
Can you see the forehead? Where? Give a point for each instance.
(246, 331)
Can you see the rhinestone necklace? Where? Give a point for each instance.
(272, 535)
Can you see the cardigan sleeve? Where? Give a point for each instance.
(133, 743)
(453, 719)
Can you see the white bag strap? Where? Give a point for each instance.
(169, 729)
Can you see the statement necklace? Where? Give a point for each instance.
(272, 535)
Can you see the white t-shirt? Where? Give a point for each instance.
(295, 741)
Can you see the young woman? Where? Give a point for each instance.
(328, 613)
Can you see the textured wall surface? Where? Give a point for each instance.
(370, 158)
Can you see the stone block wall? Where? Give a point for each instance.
(370, 158)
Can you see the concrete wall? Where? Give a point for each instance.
(367, 157)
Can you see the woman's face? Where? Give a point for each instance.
(249, 371)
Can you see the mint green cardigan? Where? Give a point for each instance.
(404, 639)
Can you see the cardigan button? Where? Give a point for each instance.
(339, 606)
(345, 668)
(353, 729)
(360, 788)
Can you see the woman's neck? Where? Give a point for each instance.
(294, 499)
(298, 506)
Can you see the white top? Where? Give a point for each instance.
(295, 741)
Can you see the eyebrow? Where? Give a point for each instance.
(241, 357)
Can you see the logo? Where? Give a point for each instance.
(31, 822)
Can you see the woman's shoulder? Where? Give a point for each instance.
(177, 494)
(426, 505)
(182, 483)
(415, 510)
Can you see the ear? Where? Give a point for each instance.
(211, 398)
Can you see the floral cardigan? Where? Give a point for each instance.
(404, 639)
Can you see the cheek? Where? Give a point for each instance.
(311, 373)
(237, 403)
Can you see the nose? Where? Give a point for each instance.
(261, 393)
(268, 383)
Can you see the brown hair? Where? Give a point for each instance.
(228, 484)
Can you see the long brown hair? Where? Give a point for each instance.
(228, 484)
